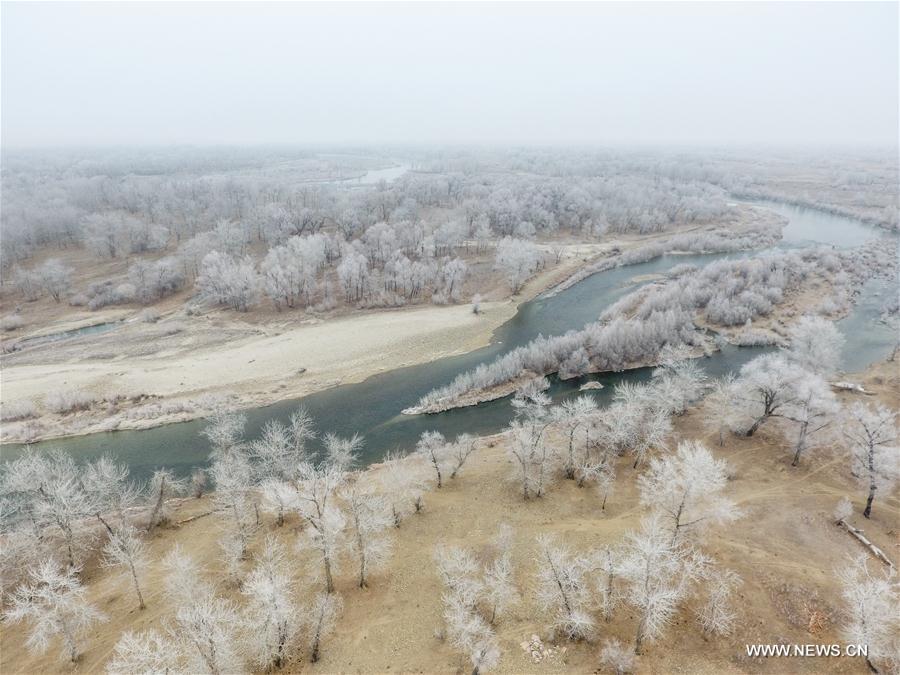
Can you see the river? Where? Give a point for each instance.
(372, 408)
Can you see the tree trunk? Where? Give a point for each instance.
(329, 581)
(639, 637)
(869, 501)
(801, 443)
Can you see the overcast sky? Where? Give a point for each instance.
(247, 73)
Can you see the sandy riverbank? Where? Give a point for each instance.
(184, 377)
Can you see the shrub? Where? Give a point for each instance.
(66, 401)
(17, 410)
(11, 322)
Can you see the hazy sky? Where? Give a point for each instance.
(246, 73)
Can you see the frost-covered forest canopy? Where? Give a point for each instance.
(290, 228)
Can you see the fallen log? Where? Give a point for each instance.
(193, 518)
(859, 536)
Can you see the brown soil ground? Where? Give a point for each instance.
(786, 548)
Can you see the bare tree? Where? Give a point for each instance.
(870, 607)
(56, 604)
(870, 432)
(563, 590)
(687, 488)
(125, 550)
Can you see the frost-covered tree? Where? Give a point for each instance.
(687, 488)
(678, 382)
(459, 451)
(48, 490)
(277, 497)
(325, 521)
(318, 619)
(815, 345)
(870, 606)
(224, 280)
(720, 410)
(765, 386)
(532, 456)
(606, 563)
(572, 415)
(809, 416)
(368, 514)
(109, 488)
(842, 510)
(564, 590)
(470, 634)
(617, 657)
(271, 613)
(717, 616)
(224, 431)
(148, 652)
(206, 627)
(163, 486)
(870, 433)
(432, 447)
(232, 476)
(353, 273)
(56, 604)
(125, 550)
(635, 423)
(517, 260)
(403, 480)
(55, 278)
(498, 583)
(658, 575)
(343, 453)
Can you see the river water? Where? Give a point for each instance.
(372, 408)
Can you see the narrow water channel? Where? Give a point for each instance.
(372, 408)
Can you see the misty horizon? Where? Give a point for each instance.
(782, 75)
